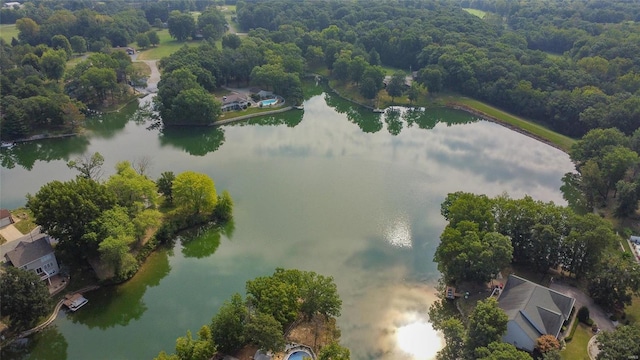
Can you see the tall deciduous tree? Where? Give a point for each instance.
(194, 107)
(395, 85)
(53, 63)
(78, 44)
(65, 209)
(334, 351)
(487, 324)
(194, 193)
(154, 39)
(181, 25)
(165, 184)
(133, 191)
(617, 281)
(212, 24)
(265, 332)
(24, 297)
(622, 343)
(89, 166)
(499, 350)
(227, 326)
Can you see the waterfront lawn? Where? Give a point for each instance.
(576, 349)
(564, 142)
(167, 46)
(24, 220)
(633, 311)
(8, 31)
(142, 68)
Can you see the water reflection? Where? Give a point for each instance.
(26, 154)
(118, 305)
(107, 126)
(48, 344)
(418, 338)
(196, 141)
(366, 120)
(200, 242)
(392, 118)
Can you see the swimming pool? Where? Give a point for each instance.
(268, 102)
(299, 355)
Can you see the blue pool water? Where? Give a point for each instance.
(268, 102)
(299, 355)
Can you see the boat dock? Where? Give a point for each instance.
(75, 301)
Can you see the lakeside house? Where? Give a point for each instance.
(234, 102)
(32, 252)
(5, 218)
(533, 310)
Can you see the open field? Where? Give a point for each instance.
(476, 12)
(577, 348)
(562, 141)
(167, 46)
(8, 31)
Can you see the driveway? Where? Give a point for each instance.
(595, 311)
(10, 233)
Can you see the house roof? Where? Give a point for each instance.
(4, 213)
(232, 98)
(26, 252)
(537, 310)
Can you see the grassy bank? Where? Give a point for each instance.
(577, 348)
(479, 13)
(167, 46)
(561, 141)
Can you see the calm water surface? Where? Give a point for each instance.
(334, 189)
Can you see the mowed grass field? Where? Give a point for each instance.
(167, 46)
(8, 31)
(476, 12)
(577, 348)
(562, 141)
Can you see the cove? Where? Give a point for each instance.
(334, 189)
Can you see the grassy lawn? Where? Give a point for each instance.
(167, 46)
(577, 348)
(564, 142)
(633, 311)
(142, 68)
(8, 31)
(74, 61)
(25, 223)
(248, 111)
(476, 12)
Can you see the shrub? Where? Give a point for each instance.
(589, 322)
(573, 330)
(583, 315)
(613, 317)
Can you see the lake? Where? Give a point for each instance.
(334, 189)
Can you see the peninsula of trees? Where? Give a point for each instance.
(110, 223)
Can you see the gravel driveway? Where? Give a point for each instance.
(595, 311)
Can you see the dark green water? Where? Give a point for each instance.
(334, 189)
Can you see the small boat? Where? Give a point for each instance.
(7, 145)
(75, 301)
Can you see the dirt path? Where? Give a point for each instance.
(154, 78)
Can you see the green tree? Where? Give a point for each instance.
(465, 254)
(165, 184)
(143, 40)
(616, 282)
(273, 296)
(90, 167)
(616, 162)
(133, 191)
(53, 64)
(265, 332)
(319, 295)
(357, 65)
(231, 41)
(154, 39)
(78, 44)
(212, 24)
(487, 324)
(546, 343)
(396, 85)
(224, 208)
(414, 92)
(454, 334)
(202, 348)
(194, 193)
(24, 297)
(499, 350)
(626, 198)
(65, 209)
(28, 31)
(368, 88)
(227, 326)
(60, 42)
(170, 86)
(597, 143)
(622, 343)
(194, 107)
(181, 25)
(334, 351)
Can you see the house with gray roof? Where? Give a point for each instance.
(31, 252)
(533, 310)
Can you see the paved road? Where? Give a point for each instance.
(595, 311)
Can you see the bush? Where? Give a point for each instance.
(583, 315)
(613, 317)
(573, 330)
(589, 322)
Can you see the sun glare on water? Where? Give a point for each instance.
(419, 340)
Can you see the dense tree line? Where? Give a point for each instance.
(594, 85)
(486, 234)
(272, 304)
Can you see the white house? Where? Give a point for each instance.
(533, 310)
(31, 252)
